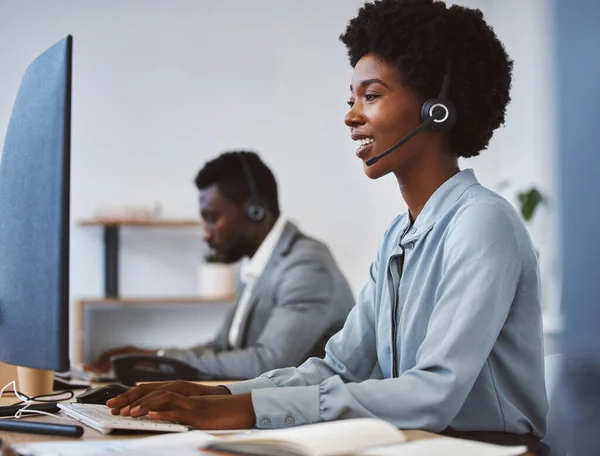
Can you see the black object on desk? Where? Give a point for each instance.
(101, 394)
(10, 410)
(133, 368)
(37, 427)
(63, 385)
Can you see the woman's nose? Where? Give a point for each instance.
(354, 117)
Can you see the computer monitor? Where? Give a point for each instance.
(34, 216)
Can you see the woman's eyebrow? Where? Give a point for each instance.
(368, 82)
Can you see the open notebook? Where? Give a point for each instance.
(361, 436)
(331, 438)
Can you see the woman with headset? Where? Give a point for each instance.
(446, 334)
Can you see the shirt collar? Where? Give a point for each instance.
(252, 268)
(441, 200)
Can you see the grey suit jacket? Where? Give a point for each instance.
(300, 300)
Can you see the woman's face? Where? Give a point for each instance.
(382, 112)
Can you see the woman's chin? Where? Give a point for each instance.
(374, 171)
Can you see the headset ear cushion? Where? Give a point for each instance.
(450, 118)
(256, 213)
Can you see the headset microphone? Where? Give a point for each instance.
(423, 125)
(437, 114)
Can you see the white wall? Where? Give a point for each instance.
(160, 87)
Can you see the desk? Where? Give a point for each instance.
(10, 438)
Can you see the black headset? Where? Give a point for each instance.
(256, 212)
(441, 107)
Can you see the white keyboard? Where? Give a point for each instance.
(100, 418)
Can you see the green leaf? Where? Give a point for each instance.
(529, 201)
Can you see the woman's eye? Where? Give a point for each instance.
(371, 96)
(350, 103)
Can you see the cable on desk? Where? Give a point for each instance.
(28, 401)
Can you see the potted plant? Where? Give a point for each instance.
(216, 280)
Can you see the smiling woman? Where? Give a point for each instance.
(382, 111)
(446, 334)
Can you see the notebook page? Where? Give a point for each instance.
(326, 439)
(447, 447)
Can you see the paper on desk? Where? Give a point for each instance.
(447, 447)
(177, 450)
(191, 441)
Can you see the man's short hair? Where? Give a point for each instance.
(227, 172)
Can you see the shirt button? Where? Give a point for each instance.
(410, 245)
(289, 421)
(413, 231)
(265, 422)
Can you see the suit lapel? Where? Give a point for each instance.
(282, 248)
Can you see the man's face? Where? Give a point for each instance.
(224, 225)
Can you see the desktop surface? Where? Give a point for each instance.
(10, 438)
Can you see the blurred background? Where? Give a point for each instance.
(161, 87)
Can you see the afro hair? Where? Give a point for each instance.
(420, 37)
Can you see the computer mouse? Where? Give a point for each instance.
(101, 394)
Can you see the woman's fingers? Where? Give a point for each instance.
(159, 401)
(137, 393)
(133, 394)
(201, 412)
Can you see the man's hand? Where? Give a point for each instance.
(223, 411)
(101, 365)
(122, 404)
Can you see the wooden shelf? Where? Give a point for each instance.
(111, 226)
(79, 311)
(160, 223)
(157, 300)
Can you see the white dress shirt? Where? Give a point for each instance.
(250, 271)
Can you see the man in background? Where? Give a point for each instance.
(294, 296)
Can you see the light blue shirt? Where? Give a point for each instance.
(447, 332)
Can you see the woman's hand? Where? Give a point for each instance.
(200, 412)
(121, 404)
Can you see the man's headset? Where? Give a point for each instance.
(256, 212)
(437, 114)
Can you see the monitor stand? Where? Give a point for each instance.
(8, 373)
(34, 382)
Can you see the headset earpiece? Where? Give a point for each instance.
(443, 112)
(256, 213)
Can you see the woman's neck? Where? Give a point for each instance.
(418, 183)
